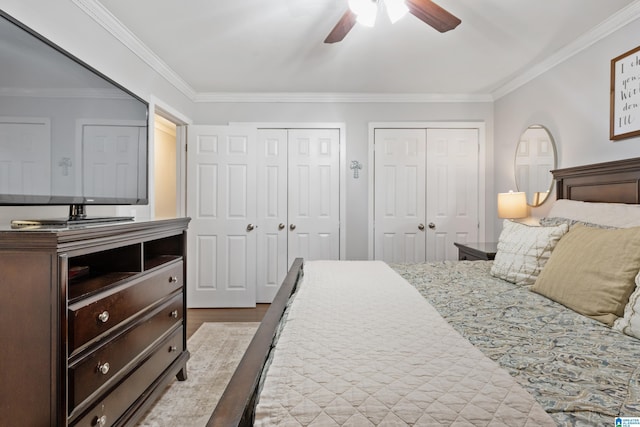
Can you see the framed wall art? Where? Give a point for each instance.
(625, 95)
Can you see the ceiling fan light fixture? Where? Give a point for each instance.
(396, 9)
(365, 10)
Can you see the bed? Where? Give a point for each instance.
(521, 356)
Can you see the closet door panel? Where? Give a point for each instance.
(272, 212)
(314, 194)
(399, 195)
(452, 191)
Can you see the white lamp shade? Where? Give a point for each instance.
(512, 205)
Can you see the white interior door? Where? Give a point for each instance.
(221, 200)
(452, 191)
(272, 212)
(314, 194)
(399, 195)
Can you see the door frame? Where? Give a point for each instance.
(341, 126)
(482, 167)
(161, 108)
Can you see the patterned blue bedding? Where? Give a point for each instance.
(581, 371)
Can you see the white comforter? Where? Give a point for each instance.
(361, 347)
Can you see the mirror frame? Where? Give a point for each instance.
(534, 198)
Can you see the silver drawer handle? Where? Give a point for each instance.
(101, 421)
(103, 368)
(104, 316)
(173, 349)
(173, 279)
(174, 314)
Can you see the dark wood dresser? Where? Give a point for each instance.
(92, 321)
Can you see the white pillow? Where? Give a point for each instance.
(523, 250)
(618, 215)
(629, 323)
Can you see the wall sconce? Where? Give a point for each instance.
(512, 205)
(355, 167)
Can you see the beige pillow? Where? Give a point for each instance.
(592, 271)
(523, 250)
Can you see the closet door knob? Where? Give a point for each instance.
(250, 227)
(281, 226)
(292, 227)
(421, 227)
(432, 226)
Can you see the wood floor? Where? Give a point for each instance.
(197, 316)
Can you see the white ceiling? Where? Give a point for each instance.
(276, 46)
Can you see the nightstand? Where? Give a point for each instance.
(474, 251)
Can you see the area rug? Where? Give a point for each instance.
(216, 350)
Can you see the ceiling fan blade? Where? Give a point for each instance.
(432, 14)
(344, 25)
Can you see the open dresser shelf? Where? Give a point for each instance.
(92, 321)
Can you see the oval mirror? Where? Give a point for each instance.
(535, 158)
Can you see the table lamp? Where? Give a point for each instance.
(512, 205)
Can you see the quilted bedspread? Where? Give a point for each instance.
(582, 372)
(361, 347)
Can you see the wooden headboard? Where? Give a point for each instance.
(610, 182)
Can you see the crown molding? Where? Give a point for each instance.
(322, 97)
(615, 22)
(110, 23)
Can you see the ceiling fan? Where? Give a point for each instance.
(425, 10)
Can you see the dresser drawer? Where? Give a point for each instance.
(107, 411)
(93, 371)
(94, 316)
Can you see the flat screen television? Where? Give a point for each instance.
(69, 135)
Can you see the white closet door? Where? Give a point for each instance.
(272, 212)
(314, 194)
(399, 206)
(221, 200)
(452, 191)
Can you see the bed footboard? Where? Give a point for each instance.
(237, 405)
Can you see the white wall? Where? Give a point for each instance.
(572, 101)
(356, 116)
(68, 26)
